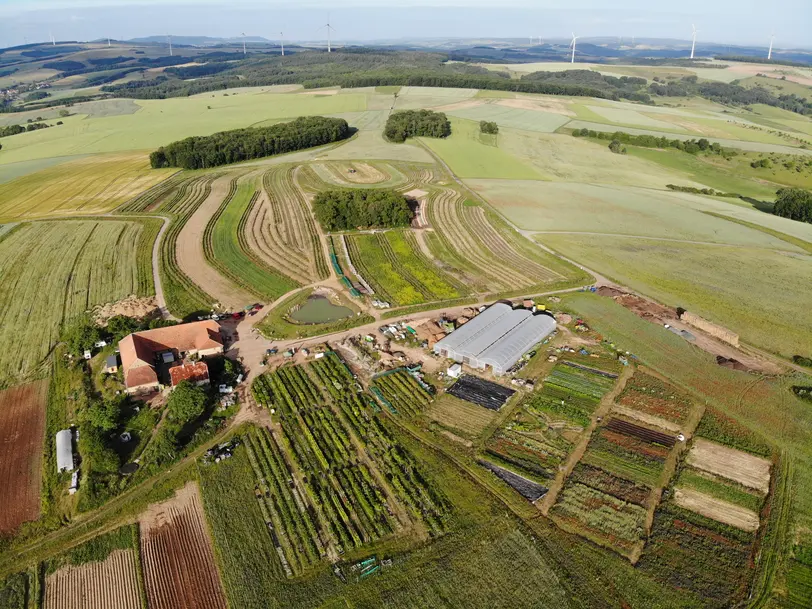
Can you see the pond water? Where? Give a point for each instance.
(319, 310)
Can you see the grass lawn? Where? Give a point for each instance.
(470, 158)
(52, 271)
(760, 294)
(88, 185)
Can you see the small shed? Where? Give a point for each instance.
(64, 451)
(454, 371)
(111, 364)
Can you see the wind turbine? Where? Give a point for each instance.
(108, 41)
(243, 44)
(169, 36)
(572, 44)
(329, 27)
(770, 52)
(693, 40)
(282, 41)
(53, 40)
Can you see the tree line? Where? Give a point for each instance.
(15, 129)
(350, 209)
(652, 141)
(238, 145)
(415, 123)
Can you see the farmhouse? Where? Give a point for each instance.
(145, 354)
(194, 372)
(497, 337)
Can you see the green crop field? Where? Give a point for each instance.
(460, 417)
(85, 186)
(226, 249)
(468, 157)
(52, 271)
(757, 293)
(515, 118)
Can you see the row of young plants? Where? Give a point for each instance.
(295, 530)
(333, 374)
(402, 392)
(654, 397)
(384, 276)
(409, 483)
(537, 454)
(338, 482)
(627, 457)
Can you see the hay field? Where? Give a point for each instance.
(468, 157)
(159, 122)
(624, 116)
(559, 157)
(760, 294)
(589, 208)
(90, 185)
(52, 271)
(515, 118)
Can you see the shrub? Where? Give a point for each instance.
(488, 127)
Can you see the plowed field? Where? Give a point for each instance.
(751, 471)
(179, 567)
(22, 423)
(98, 585)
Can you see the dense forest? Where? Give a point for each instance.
(350, 209)
(242, 144)
(415, 123)
(623, 87)
(795, 204)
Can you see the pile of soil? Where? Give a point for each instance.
(638, 305)
(132, 306)
(731, 363)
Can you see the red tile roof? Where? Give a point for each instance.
(139, 348)
(194, 372)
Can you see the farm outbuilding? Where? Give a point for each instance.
(64, 451)
(497, 337)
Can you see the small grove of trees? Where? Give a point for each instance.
(243, 144)
(413, 123)
(794, 203)
(348, 209)
(616, 147)
(15, 129)
(488, 127)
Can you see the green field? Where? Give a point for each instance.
(226, 249)
(468, 157)
(53, 271)
(460, 417)
(515, 118)
(757, 293)
(85, 186)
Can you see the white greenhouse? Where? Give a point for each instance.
(64, 451)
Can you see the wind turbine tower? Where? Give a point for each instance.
(770, 52)
(574, 38)
(243, 44)
(693, 40)
(170, 44)
(53, 40)
(282, 41)
(329, 29)
(108, 41)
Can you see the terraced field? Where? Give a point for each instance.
(280, 229)
(53, 271)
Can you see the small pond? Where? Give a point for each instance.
(319, 310)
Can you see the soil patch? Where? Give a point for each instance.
(736, 465)
(545, 105)
(719, 510)
(132, 306)
(112, 582)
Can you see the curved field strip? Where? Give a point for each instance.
(355, 173)
(112, 582)
(226, 249)
(183, 296)
(53, 271)
(150, 199)
(22, 427)
(190, 257)
(179, 567)
(88, 185)
(280, 229)
(402, 250)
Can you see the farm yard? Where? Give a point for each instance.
(22, 428)
(54, 271)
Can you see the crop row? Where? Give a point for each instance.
(642, 433)
(285, 509)
(399, 468)
(183, 296)
(626, 457)
(384, 274)
(402, 250)
(580, 380)
(655, 397)
(402, 392)
(621, 523)
(152, 197)
(605, 482)
(333, 375)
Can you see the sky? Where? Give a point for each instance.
(743, 22)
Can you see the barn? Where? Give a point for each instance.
(497, 337)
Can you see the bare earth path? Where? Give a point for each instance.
(190, 252)
(156, 275)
